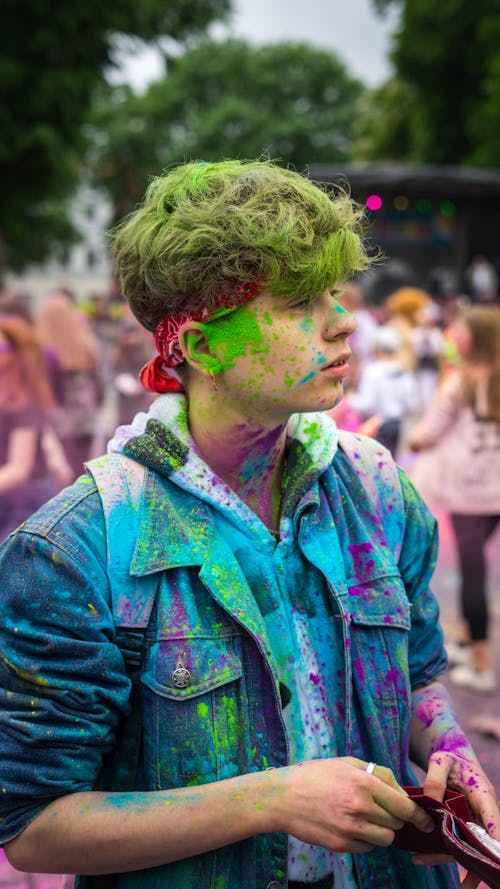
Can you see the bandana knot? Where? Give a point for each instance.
(158, 375)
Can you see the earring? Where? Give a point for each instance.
(214, 381)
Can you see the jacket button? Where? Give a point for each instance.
(181, 677)
(274, 885)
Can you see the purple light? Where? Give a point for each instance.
(374, 202)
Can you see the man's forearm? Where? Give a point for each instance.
(434, 724)
(98, 833)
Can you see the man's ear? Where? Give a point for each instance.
(194, 343)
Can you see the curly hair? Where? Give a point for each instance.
(205, 226)
(407, 301)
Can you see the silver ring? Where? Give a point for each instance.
(371, 768)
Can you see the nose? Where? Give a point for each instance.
(338, 321)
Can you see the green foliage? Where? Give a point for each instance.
(447, 55)
(384, 127)
(219, 100)
(52, 56)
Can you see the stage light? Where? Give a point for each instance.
(401, 202)
(374, 202)
(424, 205)
(447, 208)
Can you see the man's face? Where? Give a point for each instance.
(279, 359)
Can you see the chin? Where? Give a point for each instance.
(329, 402)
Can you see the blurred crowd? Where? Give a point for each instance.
(68, 376)
(424, 381)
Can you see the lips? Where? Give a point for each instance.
(340, 362)
(339, 368)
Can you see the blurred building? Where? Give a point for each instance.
(86, 268)
(429, 220)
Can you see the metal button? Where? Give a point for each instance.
(181, 677)
(274, 885)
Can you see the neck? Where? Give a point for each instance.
(244, 452)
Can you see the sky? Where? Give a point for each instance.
(350, 28)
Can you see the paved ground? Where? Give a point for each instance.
(468, 704)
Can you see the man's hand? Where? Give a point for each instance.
(334, 803)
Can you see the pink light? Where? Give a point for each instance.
(374, 202)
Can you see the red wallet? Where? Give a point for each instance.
(451, 835)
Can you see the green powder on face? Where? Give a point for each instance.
(236, 334)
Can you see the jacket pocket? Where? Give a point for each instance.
(191, 694)
(379, 613)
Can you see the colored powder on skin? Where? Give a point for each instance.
(450, 742)
(306, 379)
(236, 334)
(289, 380)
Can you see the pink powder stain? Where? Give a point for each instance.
(387, 619)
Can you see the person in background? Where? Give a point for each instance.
(19, 305)
(428, 343)
(26, 402)
(482, 280)
(289, 663)
(459, 471)
(386, 391)
(65, 329)
(403, 310)
(134, 347)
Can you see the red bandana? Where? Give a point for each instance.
(158, 375)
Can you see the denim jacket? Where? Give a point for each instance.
(70, 577)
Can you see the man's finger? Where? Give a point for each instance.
(436, 779)
(401, 806)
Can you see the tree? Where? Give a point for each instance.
(384, 127)
(293, 102)
(52, 56)
(446, 55)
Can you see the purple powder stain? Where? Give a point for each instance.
(314, 678)
(358, 667)
(387, 619)
(359, 551)
(425, 715)
(392, 675)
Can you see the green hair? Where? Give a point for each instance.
(204, 225)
